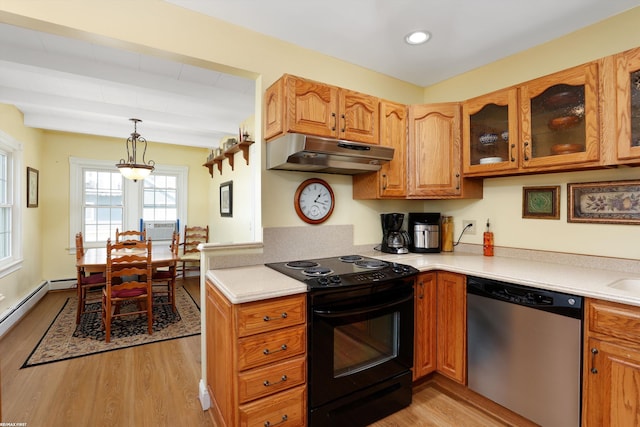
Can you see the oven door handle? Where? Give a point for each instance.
(357, 311)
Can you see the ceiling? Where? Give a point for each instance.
(70, 85)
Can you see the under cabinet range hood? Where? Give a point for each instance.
(298, 152)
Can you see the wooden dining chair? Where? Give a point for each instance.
(164, 278)
(129, 271)
(193, 236)
(130, 235)
(88, 285)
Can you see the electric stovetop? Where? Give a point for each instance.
(342, 271)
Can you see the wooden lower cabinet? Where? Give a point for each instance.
(440, 342)
(424, 331)
(256, 360)
(611, 367)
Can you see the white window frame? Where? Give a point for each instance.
(15, 153)
(132, 195)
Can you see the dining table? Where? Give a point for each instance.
(94, 260)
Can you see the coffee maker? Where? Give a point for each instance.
(394, 239)
(424, 232)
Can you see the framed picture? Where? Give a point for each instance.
(541, 202)
(226, 198)
(612, 202)
(32, 187)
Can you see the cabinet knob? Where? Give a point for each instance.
(513, 146)
(526, 154)
(334, 121)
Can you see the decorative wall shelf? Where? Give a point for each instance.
(229, 154)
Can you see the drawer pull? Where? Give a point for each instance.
(282, 316)
(284, 418)
(594, 351)
(267, 351)
(269, 384)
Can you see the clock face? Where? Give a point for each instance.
(314, 201)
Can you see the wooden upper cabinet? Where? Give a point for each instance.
(559, 120)
(490, 133)
(391, 180)
(358, 117)
(627, 95)
(293, 104)
(435, 159)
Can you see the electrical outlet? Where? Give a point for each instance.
(472, 226)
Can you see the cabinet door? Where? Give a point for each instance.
(559, 119)
(628, 104)
(312, 107)
(274, 110)
(435, 150)
(220, 366)
(611, 385)
(358, 117)
(391, 180)
(424, 346)
(451, 324)
(490, 133)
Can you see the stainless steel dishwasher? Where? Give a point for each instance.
(524, 350)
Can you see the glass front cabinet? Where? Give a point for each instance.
(628, 104)
(490, 132)
(550, 123)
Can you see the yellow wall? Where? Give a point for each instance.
(58, 147)
(17, 285)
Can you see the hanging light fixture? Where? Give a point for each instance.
(129, 168)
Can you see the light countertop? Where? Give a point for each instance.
(253, 283)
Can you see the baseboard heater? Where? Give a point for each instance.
(13, 314)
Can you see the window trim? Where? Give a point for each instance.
(17, 189)
(133, 195)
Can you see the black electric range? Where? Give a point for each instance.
(347, 270)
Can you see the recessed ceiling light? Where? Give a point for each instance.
(417, 37)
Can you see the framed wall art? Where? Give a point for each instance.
(541, 202)
(612, 202)
(226, 199)
(32, 187)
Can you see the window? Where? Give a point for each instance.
(160, 198)
(103, 205)
(10, 205)
(101, 200)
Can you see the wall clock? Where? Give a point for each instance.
(314, 201)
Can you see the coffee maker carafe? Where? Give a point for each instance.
(394, 239)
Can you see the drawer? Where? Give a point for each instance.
(263, 316)
(615, 320)
(287, 409)
(258, 350)
(260, 382)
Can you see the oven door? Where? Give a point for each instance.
(359, 338)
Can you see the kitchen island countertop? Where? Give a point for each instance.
(257, 282)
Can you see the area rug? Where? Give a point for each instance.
(65, 340)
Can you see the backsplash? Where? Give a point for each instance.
(298, 243)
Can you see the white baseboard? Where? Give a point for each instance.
(59, 284)
(13, 314)
(203, 395)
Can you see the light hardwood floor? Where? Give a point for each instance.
(153, 385)
(150, 385)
